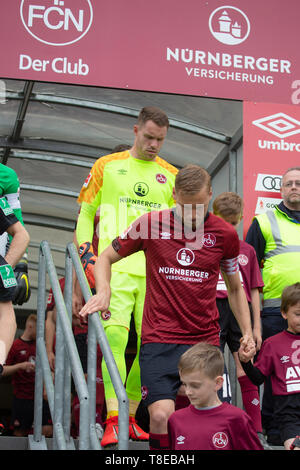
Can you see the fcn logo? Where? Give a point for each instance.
(57, 22)
(220, 440)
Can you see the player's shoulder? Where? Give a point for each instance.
(219, 224)
(9, 180)
(154, 219)
(233, 411)
(8, 171)
(276, 339)
(112, 157)
(246, 248)
(166, 165)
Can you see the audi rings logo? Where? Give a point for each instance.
(271, 183)
(268, 183)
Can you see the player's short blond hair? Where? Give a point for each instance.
(203, 357)
(290, 296)
(191, 179)
(228, 203)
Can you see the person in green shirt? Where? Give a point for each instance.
(20, 239)
(10, 188)
(123, 186)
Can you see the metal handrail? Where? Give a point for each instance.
(68, 362)
(97, 335)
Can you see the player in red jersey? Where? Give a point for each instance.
(208, 424)
(279, 359)
(185, 247)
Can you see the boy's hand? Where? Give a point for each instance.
(247, 350)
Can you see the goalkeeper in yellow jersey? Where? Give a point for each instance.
(125, 185)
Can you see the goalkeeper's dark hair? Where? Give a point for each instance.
(152, 113)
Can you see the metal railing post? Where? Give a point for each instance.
(94, 323)
(91, 380)
(68, 291)
(68, 362)
(40, 332)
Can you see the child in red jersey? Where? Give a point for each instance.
(208, 424)
(20, 364)
(279, 359)
(229, 206)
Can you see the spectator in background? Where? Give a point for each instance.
(20, 364)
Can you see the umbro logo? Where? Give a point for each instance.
(180, 439)
(285, 359)
(281, 125)
(255, 402)
(122, 171)
(165, 235)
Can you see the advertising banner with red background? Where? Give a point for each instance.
(271, 145)
(244, 50)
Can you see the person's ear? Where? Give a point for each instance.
(219, 382)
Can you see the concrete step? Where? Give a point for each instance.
(22, 443)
